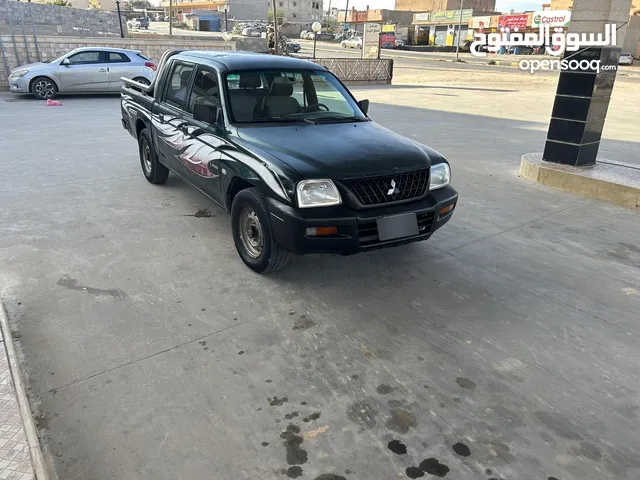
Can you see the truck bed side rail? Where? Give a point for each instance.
(148, 89)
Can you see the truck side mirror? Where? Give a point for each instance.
(364, 106)
(210, 114)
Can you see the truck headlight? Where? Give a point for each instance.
(18, 74)
(317, 193)
(440, 176)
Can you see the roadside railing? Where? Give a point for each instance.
(359, 70)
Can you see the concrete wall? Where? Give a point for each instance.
(52, 47)
(52, 20)
(568, 5)
(632, 37)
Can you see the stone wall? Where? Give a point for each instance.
(53, 20)
(50, 47)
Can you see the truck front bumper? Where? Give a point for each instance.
(356, 231)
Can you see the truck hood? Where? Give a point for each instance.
(340, 151)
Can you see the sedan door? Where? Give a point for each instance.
(86, 71)
(121, 65)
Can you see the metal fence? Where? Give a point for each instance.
(357, 70)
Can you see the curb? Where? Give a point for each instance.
(30, 430)
(609, 181)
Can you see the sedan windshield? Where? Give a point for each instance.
(298, 96)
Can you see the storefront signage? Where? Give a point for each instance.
(553, 18)
(388, 28)
(480, 23)
(421, 17)
(513, 21)
(371, 40)
(451, 16)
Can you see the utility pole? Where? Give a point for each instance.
(120, 19)
(275, 26)
(328, 14)
(459, 27)
(345, 12)
(170, 18)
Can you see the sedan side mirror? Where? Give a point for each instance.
(364, 106)
(66, 62)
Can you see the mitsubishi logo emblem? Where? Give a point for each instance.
(393, 190)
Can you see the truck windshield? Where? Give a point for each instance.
(298, 96)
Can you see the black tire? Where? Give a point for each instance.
(153, 170)
(142, 80)
(271, 256)
(43, 88)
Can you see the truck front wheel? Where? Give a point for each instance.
(153, 170)
(252, 233)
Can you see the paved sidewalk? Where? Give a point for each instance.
(15, 461)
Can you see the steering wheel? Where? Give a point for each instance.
(315, 105)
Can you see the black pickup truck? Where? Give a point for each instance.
(283, 146)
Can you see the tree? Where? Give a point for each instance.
(61, 3)
(279, 14)
(139, 4)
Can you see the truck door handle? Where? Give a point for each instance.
(103, 70)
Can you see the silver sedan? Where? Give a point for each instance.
(84, 70)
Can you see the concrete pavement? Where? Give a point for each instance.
(505, 347)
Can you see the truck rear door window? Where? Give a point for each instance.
(178, 85)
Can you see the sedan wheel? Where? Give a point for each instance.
(44, 89)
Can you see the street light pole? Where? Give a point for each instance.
(120, 18)
(170, 18)
(459, 27)
(275, 26)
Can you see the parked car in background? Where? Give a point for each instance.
(341, 36)
(138, 23)
(251, 32)
(303, 33)
(288, 45)
(353, 42)
(83, 70)
(625, 59)
(323, 36)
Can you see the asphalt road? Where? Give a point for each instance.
(505, 347)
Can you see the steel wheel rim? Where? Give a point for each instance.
(43, 88)
(251, 234)
(146, 157)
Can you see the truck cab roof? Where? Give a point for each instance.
(236, 61)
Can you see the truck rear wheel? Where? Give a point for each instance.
(153, 170)
(252, 233)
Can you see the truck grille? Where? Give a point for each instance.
(368, 231)
(390, 188)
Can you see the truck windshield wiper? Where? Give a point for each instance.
(338, 119)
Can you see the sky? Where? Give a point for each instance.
(501, 5)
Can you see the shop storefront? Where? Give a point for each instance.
(442, 27)
(419, 31)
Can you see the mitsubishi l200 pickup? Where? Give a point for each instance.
(283, 146)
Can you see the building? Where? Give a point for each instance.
(382, 16)
(478, 6)
(241, 10)
(297, 11)
(568, 5)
